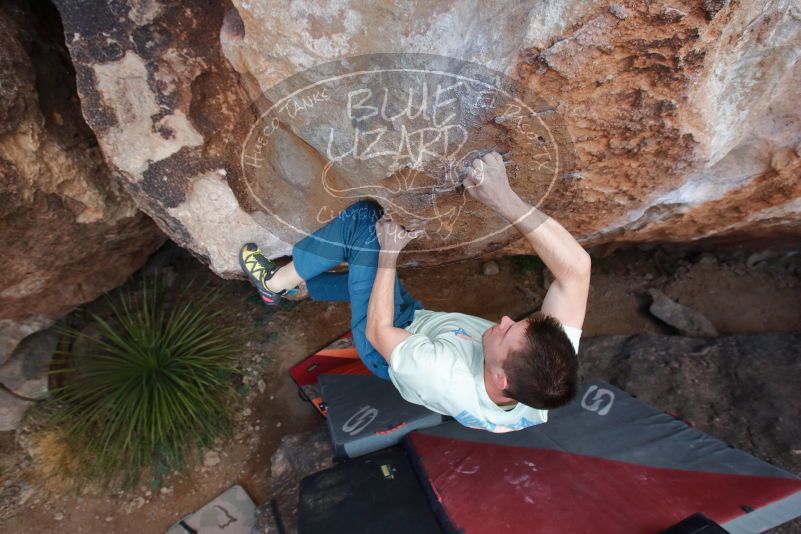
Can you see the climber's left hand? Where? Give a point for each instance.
(392, 236)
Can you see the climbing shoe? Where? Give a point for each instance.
(259, 269)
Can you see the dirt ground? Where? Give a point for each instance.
(740, 291)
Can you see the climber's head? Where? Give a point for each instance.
(532, 361)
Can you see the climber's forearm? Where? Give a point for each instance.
(554, 245)
(381, 306)
(380, 330)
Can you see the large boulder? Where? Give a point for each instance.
(671, 122)
(68, 229)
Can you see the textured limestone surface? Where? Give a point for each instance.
(674, 120)
(68, 229)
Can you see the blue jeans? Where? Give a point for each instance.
(351, 237)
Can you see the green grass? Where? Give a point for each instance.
(155, 385)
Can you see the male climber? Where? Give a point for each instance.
(497, 377)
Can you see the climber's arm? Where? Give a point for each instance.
(381, 332)
(566, 299)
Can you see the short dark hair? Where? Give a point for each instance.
(544, 373)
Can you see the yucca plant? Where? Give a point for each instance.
(152, 387)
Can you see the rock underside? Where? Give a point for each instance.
(670, 121)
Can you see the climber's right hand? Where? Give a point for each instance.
(485, 180)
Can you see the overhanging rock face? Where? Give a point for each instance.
(675, 122)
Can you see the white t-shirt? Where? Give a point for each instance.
(441, 366)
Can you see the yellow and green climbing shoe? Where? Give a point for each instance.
(259, 269)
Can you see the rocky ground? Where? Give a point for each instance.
(737, 388)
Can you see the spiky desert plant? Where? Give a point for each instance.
(155, 384)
